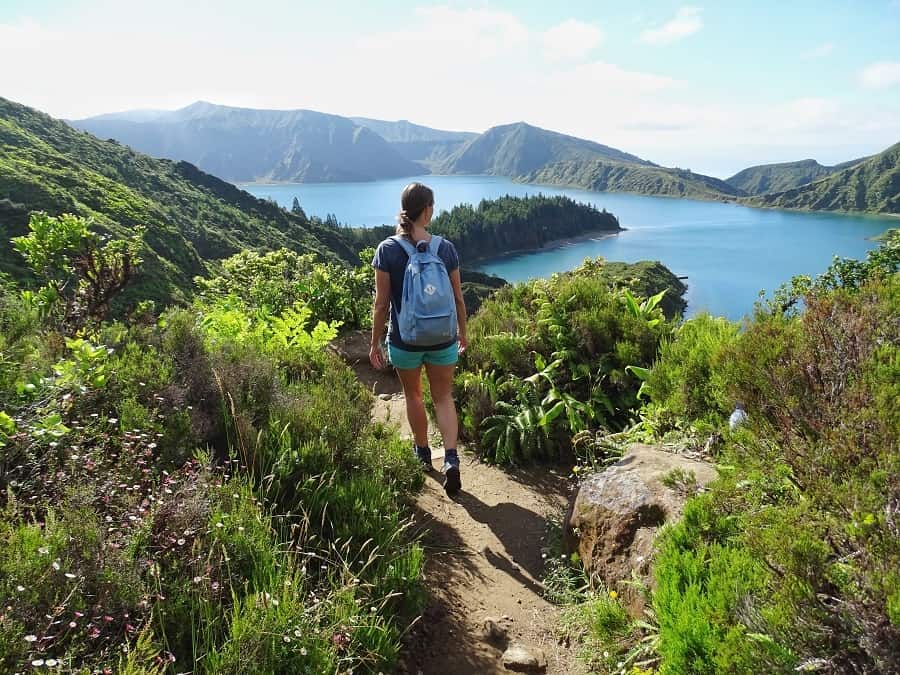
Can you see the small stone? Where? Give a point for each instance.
(384, 397)
(524, 659)
(492, 630)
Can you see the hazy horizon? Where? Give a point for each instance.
(711, 88)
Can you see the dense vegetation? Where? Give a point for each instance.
(609, 176)
(244, 145)
(190, 217)
(873, 185)
(550, 360)
(790, 560)
(202, 491)
(757, 180)
(506, 224)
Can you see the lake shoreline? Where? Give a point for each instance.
(594, 235)
(720, 199)
(718, 245)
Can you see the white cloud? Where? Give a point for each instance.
(467, 34)
(444, 67)
(601, 78)
(821, 51)
(571, 40)
(880, 75)
(686, 21)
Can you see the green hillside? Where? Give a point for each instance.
(245, 145)
(757, 180)
(620, 177)
(191, 217)
(872, 186)
(518, 149)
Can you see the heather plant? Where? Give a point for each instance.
(688, 383)
(790, 561)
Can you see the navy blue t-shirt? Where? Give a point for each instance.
(391, 258)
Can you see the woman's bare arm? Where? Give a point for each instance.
(456, 282)
(379, 316)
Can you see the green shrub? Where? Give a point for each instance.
(279, 280)
(548, 359)
(699, 599)
(688, 381)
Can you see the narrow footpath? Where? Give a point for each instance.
(485, 560)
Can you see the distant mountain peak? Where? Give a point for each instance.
(520, 148)
(247, 145)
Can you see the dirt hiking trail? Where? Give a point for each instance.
(484, 555)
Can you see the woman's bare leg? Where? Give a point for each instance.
(440, 380)
(411, 379)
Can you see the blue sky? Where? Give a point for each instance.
(709, 86)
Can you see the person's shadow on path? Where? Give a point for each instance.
(518, 529)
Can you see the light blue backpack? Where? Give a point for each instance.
(427, 314)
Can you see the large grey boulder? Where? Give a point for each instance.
(615, 515)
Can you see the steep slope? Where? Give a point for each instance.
(873, 186)
(192, 218)
(244, 145)
(519, 149)
(757, 180)
(426, 146)
(621, 177)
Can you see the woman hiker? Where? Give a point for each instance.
(417, 276)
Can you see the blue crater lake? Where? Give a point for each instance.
(728, 252)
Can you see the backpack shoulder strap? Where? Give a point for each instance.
(435, 244)
(409, 248)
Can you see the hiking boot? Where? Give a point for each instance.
(424, 455)
(452, 483)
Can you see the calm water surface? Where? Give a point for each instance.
(728, 252)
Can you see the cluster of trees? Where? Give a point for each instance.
(499, 226)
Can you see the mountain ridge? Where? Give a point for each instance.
(871, 186)
(519, 148)
(781, 176)
(332, 148)
(192, 218)
(426, 146)
(253, 145)
(605, 176)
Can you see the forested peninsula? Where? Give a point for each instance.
(499, 226)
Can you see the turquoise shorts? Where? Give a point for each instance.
(405, 360)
